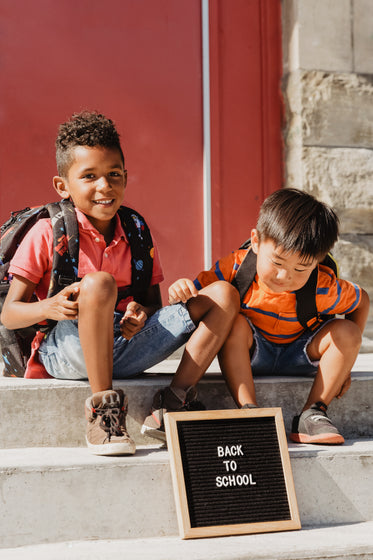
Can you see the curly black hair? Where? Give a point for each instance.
(84, 129)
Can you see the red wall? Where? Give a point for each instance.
(140, 63)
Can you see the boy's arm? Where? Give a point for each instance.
(360, 314)
(18, 311)
(224, 269)
(136, 313)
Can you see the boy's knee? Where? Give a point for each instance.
(346, 334)
(98, 286)
(226, 295)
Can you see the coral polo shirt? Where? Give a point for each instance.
(34, 257)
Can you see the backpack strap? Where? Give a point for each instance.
(306, 309)
(65, 245)
(142, 253)
(307, 312)
(245, 273)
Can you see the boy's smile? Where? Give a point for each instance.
(96, 182)
(279, 270)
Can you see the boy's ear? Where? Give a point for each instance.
(60, 185)
(254, 241)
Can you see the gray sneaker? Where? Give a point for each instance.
(169, 400)
(106, 428)
(314, 426)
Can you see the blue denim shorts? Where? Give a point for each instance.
(269, 358)
(163, 333)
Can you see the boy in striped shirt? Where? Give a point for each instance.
(294, 233)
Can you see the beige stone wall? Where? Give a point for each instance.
(328, 95)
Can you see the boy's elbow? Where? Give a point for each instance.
(365, 301)
(4, 319)
(7, 317)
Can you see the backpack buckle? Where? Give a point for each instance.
(63, 281)
(313, 323)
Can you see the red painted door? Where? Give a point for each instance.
(246, 112)
(140, 63)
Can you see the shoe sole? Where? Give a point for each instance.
(154, 433)
(112, 449)
(323, 439)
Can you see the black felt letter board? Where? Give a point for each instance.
(234, 478)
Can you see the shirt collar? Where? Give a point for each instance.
(86, 225)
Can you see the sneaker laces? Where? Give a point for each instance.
(111, 420)
(320, 414)
(320, 417)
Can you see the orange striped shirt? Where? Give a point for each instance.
(274, 314)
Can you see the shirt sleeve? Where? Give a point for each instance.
(335, 295)
(224, 269)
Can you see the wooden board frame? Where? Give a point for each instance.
(176, 420)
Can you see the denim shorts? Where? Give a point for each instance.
(269, 358)
(163, 333)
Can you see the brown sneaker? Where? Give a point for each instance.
(168, 400)
(106, 429)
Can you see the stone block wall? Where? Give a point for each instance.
(328, 135)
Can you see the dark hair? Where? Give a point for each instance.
(298, 222)
(84, 129)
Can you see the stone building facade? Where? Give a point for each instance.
(328, 136)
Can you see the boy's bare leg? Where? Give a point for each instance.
(97, 298)
(213, 310)
(235, 363)
(336, 346)
(106, 409)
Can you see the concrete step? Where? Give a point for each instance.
(67, 494)
(51, 412)
(342, 542)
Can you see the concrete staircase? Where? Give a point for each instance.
(59, 501)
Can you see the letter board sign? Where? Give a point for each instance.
(231, 472)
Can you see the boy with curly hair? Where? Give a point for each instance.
(294, 233)
(97, 337)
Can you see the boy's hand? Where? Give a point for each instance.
(181, 290)
(63, 305)
(133, 320)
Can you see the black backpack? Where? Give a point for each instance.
(306, 309)
(16, 344)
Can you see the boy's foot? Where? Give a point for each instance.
(106, 428)
(249, 405)
(169, 400)
(314, 426)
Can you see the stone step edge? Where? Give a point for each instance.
(25, 402)
(363, 365)
(163, 378)
(32, 458)
(340, 542)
